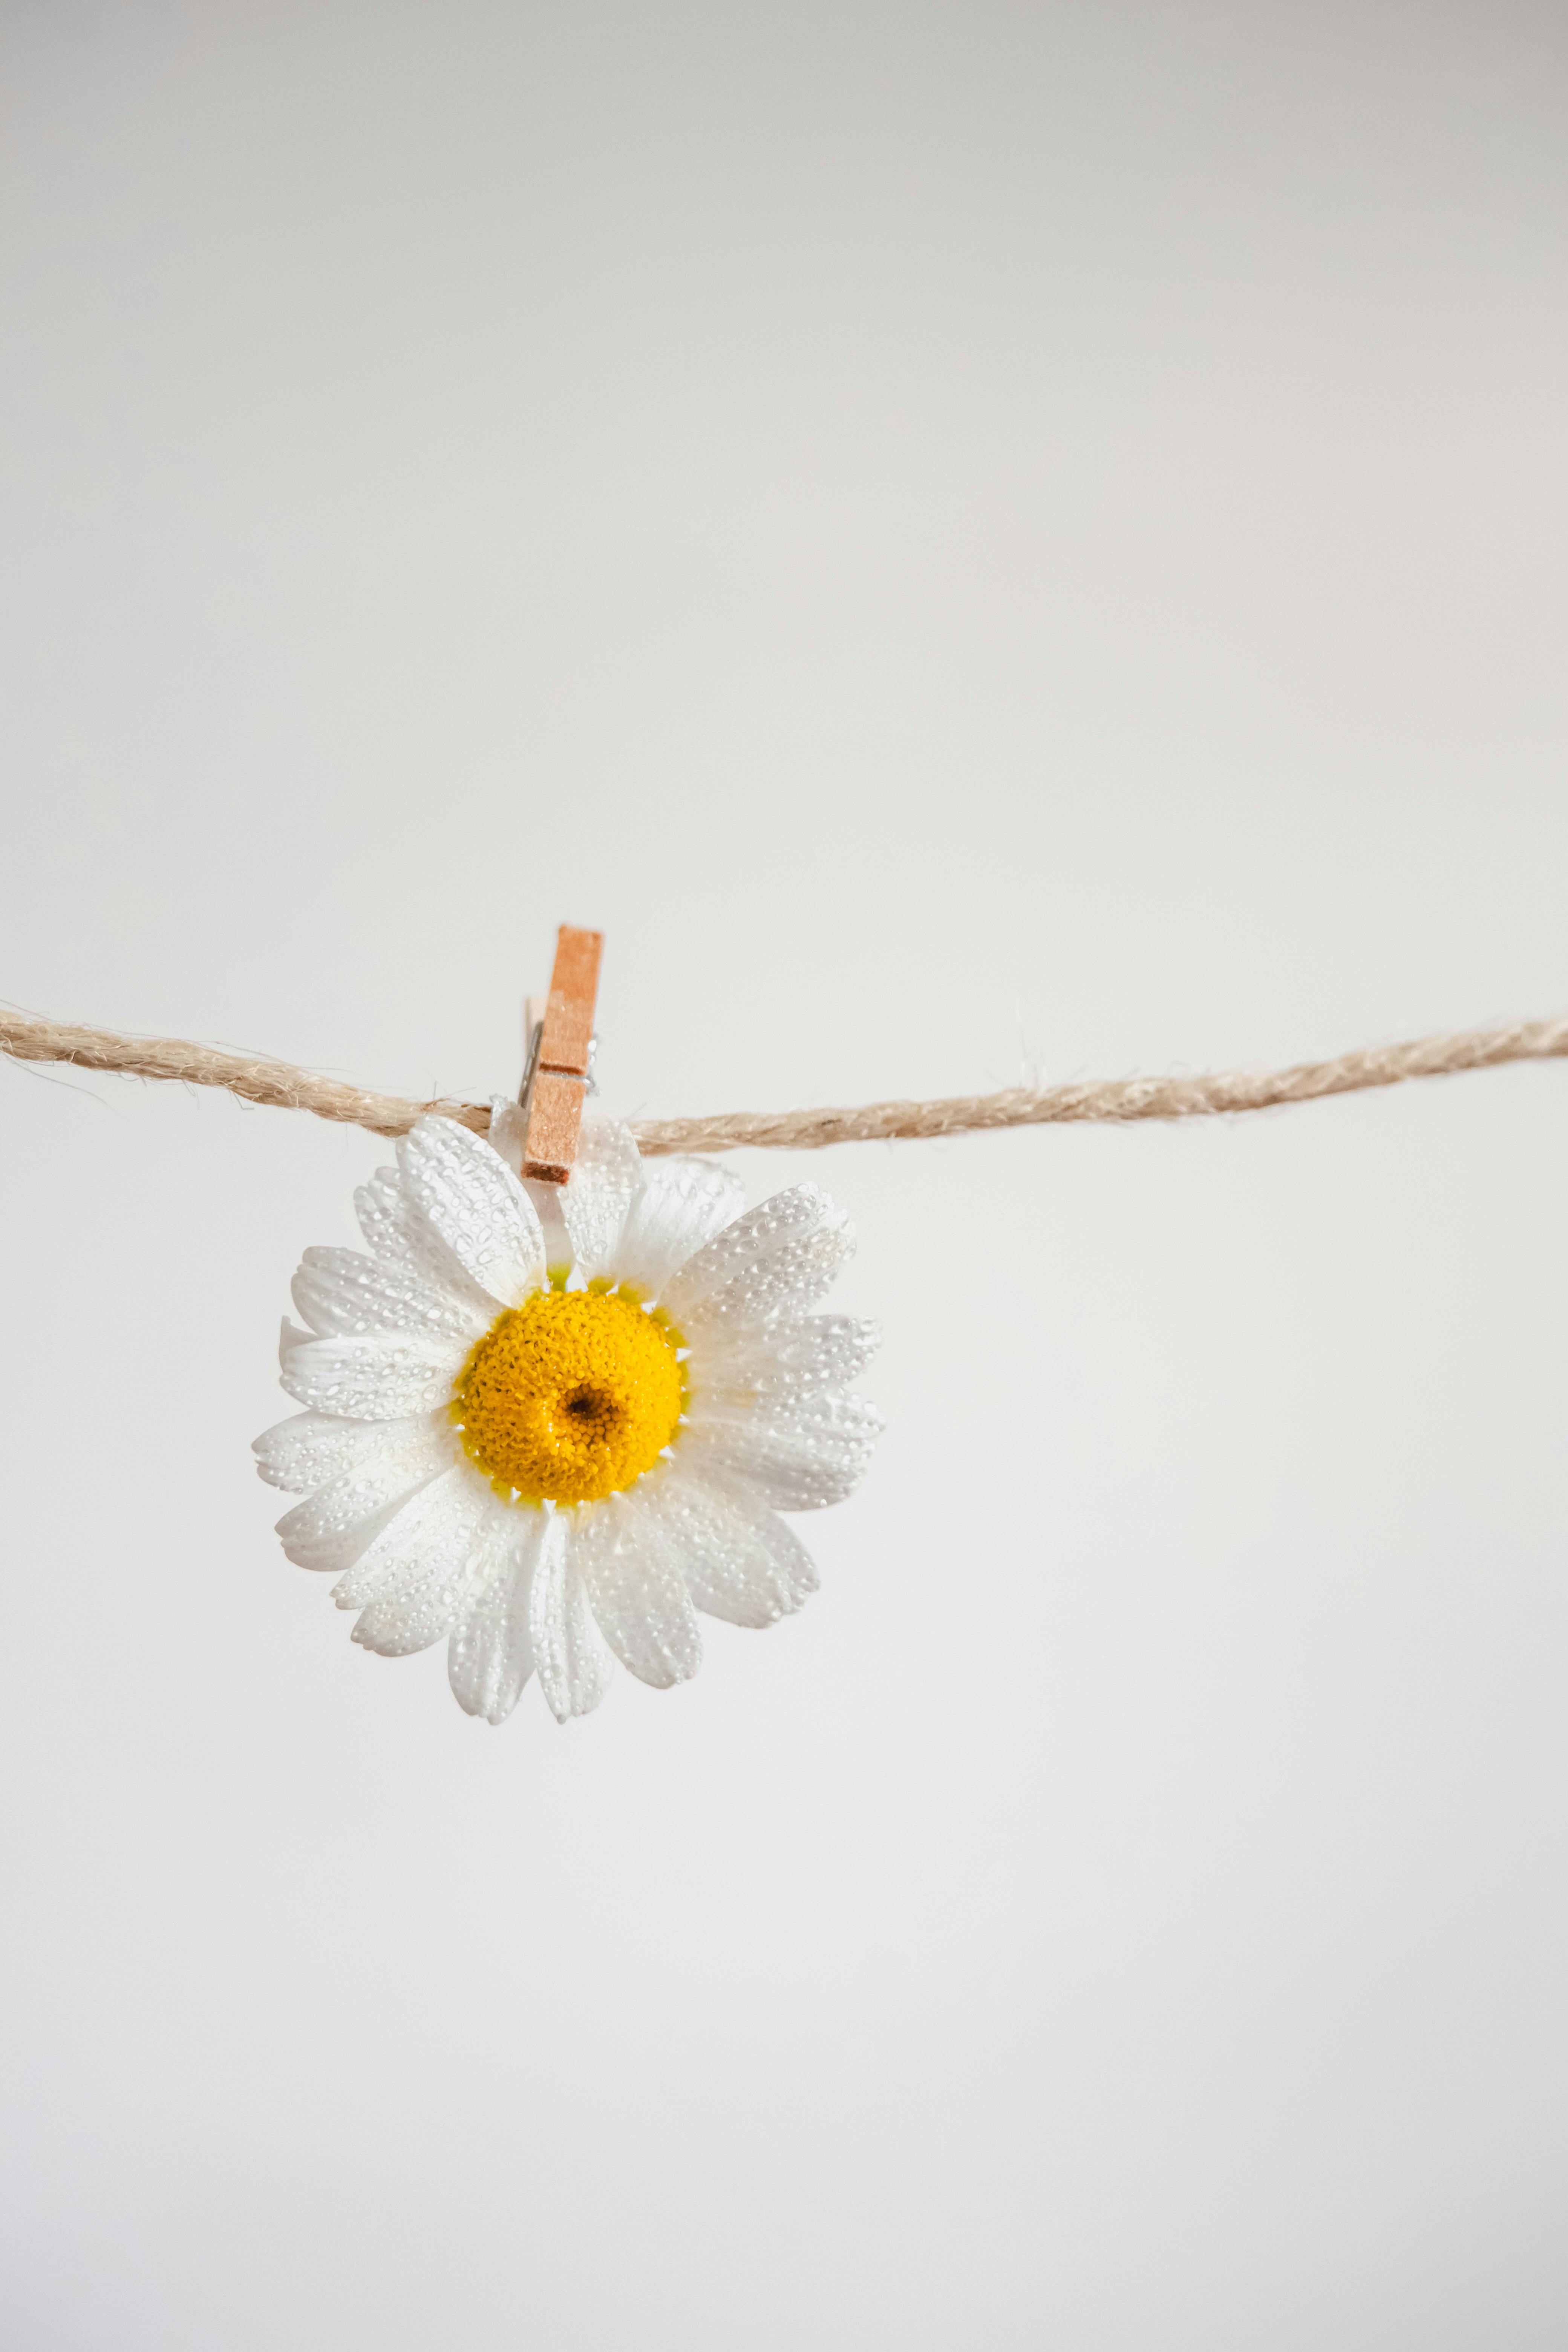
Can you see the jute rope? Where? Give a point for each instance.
(1118, 1099)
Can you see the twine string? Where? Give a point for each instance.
(1117, 1101)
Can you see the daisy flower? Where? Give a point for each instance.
(549, 1425)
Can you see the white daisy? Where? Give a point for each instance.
(553, 1440)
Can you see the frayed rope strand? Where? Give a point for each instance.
(1117, 1101)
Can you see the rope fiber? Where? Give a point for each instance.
(1118, 1100)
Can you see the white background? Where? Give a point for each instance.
(974, 540)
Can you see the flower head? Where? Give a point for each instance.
(551, 1426)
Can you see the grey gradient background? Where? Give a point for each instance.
(971, 539)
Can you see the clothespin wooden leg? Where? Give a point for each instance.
(557, 1082)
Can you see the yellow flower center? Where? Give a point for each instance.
(571, 1396)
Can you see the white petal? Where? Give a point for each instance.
(342, 1292)
(594, 1202)
(782, 1360)
(546, 1199)
(799, 1455)
(334, 1525)
(490, 1656)
(309, 1448)
(739, 1560)
(290, 1337)
(420, 1607)
(476, 1204)
(373, 1380)
(508, 1135)
(575, 1665)
(680, 1205)
(638, 1593)
(438, 1526)
(776, 1260)
(381, 1212)
(400, 1236)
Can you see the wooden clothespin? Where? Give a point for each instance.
(560, 1051)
